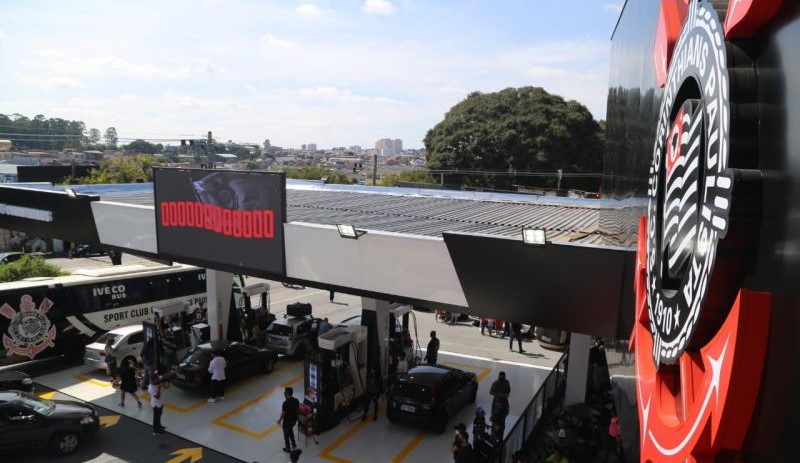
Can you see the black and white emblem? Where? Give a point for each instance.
(690, 183)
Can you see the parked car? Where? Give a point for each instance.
(29, 422)
(89, 250)
(17, 380)
(8, 257)
(431, 394)
(355, 320)
(242, 360)
(291, 335)
(128, 342)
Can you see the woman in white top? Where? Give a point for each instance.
(154, 389)
(217, 369)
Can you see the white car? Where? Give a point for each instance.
(128, 342)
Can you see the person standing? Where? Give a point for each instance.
(110, 358)
(515, 332)
(432, 352)
(289, 418)
(127, 383)
(154, 389)
(500, 391)
(402, 364)
(372, 395)
(217, 369)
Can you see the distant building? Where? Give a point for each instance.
(5, 145)
(312, 147)
(389, 147)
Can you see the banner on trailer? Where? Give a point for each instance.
(228, 220)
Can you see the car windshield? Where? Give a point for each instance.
(277, 328)
(106, 336)
(39, 405)
(198, 357)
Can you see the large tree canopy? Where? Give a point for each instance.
(516, 129)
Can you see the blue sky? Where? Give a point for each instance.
(334, 73)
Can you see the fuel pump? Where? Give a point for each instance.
(255, 317)
(399, 336)
(335, 377)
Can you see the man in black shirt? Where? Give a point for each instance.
(289, 418)
(432, 352)
(516, 332)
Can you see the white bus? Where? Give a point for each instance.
(44, 317)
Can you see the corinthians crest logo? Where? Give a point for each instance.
(690, 184)
(29, 331)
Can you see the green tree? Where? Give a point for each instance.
(111, 137)
(28, 267)
(93, 137)
(413, 176)
(129, 169)
(141, 147)
(516, 129)
(317, 173)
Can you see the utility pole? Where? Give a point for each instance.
(375, 171)
(209, 155)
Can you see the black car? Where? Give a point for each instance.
(431, 394)
(242, 360)
(9, 257)
(29, 422)
(17, 380)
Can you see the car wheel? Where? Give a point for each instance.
(269, 365)
(300, 351)
(441, 425)
(474, 394)
(129, 358)
(65, 443)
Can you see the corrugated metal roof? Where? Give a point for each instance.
(432, 212)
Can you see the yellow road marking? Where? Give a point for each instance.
(326, 453)
(109, 420)
(220, 421)
(410, 447)
(47, 395)
(96, 382)
(419, 437)
(192, 454)
(484, 370)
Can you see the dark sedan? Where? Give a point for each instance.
(17, 380)
(29, 422)
(242, 361)
(431, 394)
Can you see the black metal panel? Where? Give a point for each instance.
(568, 287)
(46, 213)
(52, 174)
(226, 220)
(633, 101)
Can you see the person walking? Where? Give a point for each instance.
(128, 383)
(432, 352)
(373, 394)
(110, 356)
(289, 418)
(515, 329)
(217, 369)
(154, 389)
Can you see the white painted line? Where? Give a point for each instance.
(487, 359)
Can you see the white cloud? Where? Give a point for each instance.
(2, 34)
(341, 96)
(452, 90)
(309, 9)
(271, 41)
(615, 7)
(51, 83)
(382, 7)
